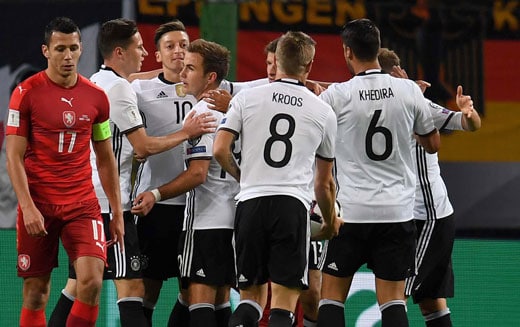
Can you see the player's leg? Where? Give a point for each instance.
(37, 256)
(83, 239)
(35, 297)
(158, 234)
(223, 306)
(288, 256)
(310, 297)
(392, 303)
(392, 262)
(125, 270)
(202, 305)
(62, 308)
(435, 281)
(250, 246)
(341, 258)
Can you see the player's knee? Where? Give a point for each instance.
(36, 293)
(429, 306)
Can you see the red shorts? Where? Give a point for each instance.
(80, 227)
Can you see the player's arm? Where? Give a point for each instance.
(145, 75)
(193, 127)
(470, 118)
(218, 99)
(109, 177)
(192, 177)
(431, 142)
(224, 155)
(15, 152)
(325, 193)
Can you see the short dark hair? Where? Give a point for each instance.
(271, 46)
(62, 25)
(216, 57)
(363, 37)
(115, 33)
(172, 26)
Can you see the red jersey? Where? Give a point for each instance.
(57, 123)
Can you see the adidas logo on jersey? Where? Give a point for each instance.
(333, 266)
(161, 95)
(200, 273)
(242, 278)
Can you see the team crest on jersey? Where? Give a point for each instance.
(135, 263)
(69, 118)
(24, 262)
(179, 89)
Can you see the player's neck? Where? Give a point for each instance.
(66, 81)
(116, 67)
(171, 76)
(361, 67)
(299, 78)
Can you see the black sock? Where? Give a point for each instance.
(393, 314)
(439, 319)
(331, 313)
(61, 310)
(280, 318)
(202, 315)
(131, 312)
(222, 314)
(247, 314)
(148, 313)
(180, 315)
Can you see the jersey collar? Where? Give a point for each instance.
(371, 72)
(104, 67)
(290, 81)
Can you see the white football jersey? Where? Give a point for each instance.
(282, 127)
(124, 118)
(234, 87)
(377, 115)
(211, 204)
(431, 196)
(163, 106)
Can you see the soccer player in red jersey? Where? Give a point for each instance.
(53, 118)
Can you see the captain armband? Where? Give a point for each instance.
(101, 131)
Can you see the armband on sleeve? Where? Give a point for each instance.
(101, 131)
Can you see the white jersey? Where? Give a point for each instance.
(377, 115)
(283, 127)
(234, 87)
(124, 118)
(210, 205)
(431, 196)
(164, 106)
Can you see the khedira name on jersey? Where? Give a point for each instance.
(378, 94)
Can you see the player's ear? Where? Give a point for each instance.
(158, 56)
(45, 51)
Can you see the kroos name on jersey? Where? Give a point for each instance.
(287, 99)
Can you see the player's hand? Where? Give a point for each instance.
(143, 203)
(423, 85)
(328, 231)
(314, 87)
(34, 222)
(195, 126)
(398, 72)
(117, 231)
(464, 102)
(218, 99)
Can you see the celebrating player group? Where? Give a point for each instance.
(228, 175)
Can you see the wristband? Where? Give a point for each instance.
(156, 194)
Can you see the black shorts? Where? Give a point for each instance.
(207, 256)
(272, 242)
(159, 233)
(315, 250)
(120, 265)
(434, 277)
(388, 249)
